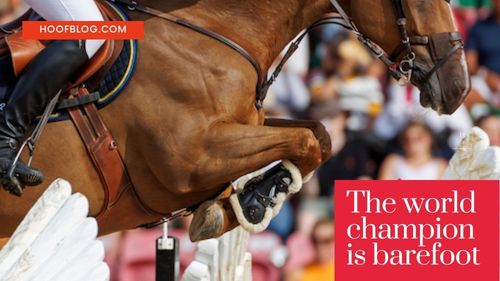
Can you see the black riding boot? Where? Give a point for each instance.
(38, 85)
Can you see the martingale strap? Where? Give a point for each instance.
(135, 6)
(263, 82)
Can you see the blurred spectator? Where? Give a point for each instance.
(347, 103)
(289, 96)
(483, 57)
(324, 80)
(283, 223)
(268, 256)
(467, 12)
(491, 125)
(310, 211)
(322, 268)
(417, 161)
(350, 152)
(403, 105)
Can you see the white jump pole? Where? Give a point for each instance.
(223, 259)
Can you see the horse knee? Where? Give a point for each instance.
(324, 139)
(309, 148)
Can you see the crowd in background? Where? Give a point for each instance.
(379, 130)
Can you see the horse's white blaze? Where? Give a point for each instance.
(55, 241)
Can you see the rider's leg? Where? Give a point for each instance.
(70, 10)
(41, 81)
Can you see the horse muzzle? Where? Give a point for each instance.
(442, 76)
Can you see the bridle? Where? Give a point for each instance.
(402, 70)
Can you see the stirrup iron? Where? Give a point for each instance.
(31, 141)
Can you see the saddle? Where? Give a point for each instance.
(23, 51)
(100, 74)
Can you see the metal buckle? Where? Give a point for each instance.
(132, 6)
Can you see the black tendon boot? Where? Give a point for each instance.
(260, 195)
(38, 85)
(260, 192)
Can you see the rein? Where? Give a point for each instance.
(400, 70)
(263, 83)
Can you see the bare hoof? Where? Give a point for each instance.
(209, 221)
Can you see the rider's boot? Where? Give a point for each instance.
(260, 198)
(44, 77)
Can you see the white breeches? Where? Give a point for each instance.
(70, 10)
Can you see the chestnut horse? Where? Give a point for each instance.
(187, 124)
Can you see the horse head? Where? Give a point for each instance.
(435, 50)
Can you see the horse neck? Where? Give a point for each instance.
(262, 27)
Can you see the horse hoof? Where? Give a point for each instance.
(208, 221)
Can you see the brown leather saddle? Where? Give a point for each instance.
(120, 195)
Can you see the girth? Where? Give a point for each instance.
(120, 197)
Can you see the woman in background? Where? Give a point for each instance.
(417, 161)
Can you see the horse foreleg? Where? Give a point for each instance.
(315, 126)
(235, 150)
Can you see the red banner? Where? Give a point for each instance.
(417, 230)
(83, 30)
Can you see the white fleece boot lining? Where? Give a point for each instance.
(240, 183)
(296, 177)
